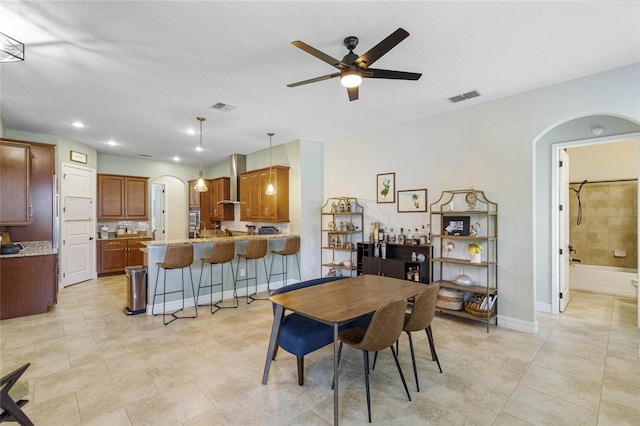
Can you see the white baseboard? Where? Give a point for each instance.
(543, 307)
(517, 324)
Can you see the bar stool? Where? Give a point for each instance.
(177, 257)
(221, 253)
(291, 248)
(256, 249)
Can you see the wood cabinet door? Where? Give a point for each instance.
(245, 197)
(393, 268)
(281, 181)
(113, 256)
(268, 211)
(110, 198)
(220, 190)
(371, 265)
(194, 197)
(134, 255)
(254, 197)
(14, 183)
(136, 201)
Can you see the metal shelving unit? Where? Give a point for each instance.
(341, 221)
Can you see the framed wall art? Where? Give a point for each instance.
(412, 200)
(78, 157)
(386, 188)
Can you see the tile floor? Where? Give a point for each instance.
(92, 365)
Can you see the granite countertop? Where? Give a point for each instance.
(162, 243)
(33, 248)
(112, 236)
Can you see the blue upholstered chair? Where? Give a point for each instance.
(300, 335)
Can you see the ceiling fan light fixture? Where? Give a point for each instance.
(200, 185)
(351, 78)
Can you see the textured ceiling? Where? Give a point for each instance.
(140, 72)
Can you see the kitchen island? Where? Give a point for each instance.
(155, 252)
(29, 280)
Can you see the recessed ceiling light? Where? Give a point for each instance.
(78, 124)
(199, 148)
(176, 158)
(112, 143)
(190, 132)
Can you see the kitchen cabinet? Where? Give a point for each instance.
(15, 164)
(115, 255)
(29, 285)
(200, 200)
(122, 198)
(220, 190)
(255, 205)
(460, 218)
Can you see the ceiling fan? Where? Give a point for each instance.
(354, 68)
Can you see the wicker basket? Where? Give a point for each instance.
(449, 299)
(473, 306)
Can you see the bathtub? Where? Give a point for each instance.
(603, 279)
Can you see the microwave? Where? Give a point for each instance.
(194, 217)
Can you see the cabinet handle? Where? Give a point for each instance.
(30, 211)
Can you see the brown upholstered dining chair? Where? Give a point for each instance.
(382, 332)
(420, 318)
(222, 252)
(178, 256)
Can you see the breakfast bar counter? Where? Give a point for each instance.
(155, 253)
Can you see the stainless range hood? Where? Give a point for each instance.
(237, 165)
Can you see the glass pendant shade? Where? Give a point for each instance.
(271, 190)
(200, 185)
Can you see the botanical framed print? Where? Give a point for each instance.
(412, 200)
(78, 157)
(386, 188)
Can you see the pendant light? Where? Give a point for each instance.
(200, 185)
(270, 189)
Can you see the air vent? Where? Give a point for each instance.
(464, 97)
(145, 155)
(223, 107)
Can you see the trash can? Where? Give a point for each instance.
(136, 290)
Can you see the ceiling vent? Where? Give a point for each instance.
(223, 107)
(464, 97)
(145, 155)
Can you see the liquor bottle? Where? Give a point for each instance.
(416, 238)
(409, 239)
(392, 237)
(383, 249)
(401, 239)
(423, 236)
(381, 235)
(371, 233)
(428, 234)
(416, 275)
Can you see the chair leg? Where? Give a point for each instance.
(404, 382)
(434, 356)
(193, 292)
(300, 360)
(413, 361)
(15, 412)
(298, 263)
(366, 382)
(375, 358)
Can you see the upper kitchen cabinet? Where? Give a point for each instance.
(255, 205)
(15, 164)
(220, 190)
(122, 198)
(199, 200)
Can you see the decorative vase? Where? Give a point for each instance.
(476, 258)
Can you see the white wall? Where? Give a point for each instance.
(488, 146)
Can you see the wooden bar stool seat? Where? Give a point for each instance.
(221, 253)
(256, 249)
(178, 256)
(291, 248)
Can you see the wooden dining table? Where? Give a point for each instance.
(336, 303)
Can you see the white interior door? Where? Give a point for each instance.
(158, 213)
(78, 224)
(563, 221)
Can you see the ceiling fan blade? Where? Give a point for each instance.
(353, 93)
(313, 80)
(395, 75)
(381, 48)
(318, 54)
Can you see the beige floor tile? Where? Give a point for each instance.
(539, 408)
(91, 362)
